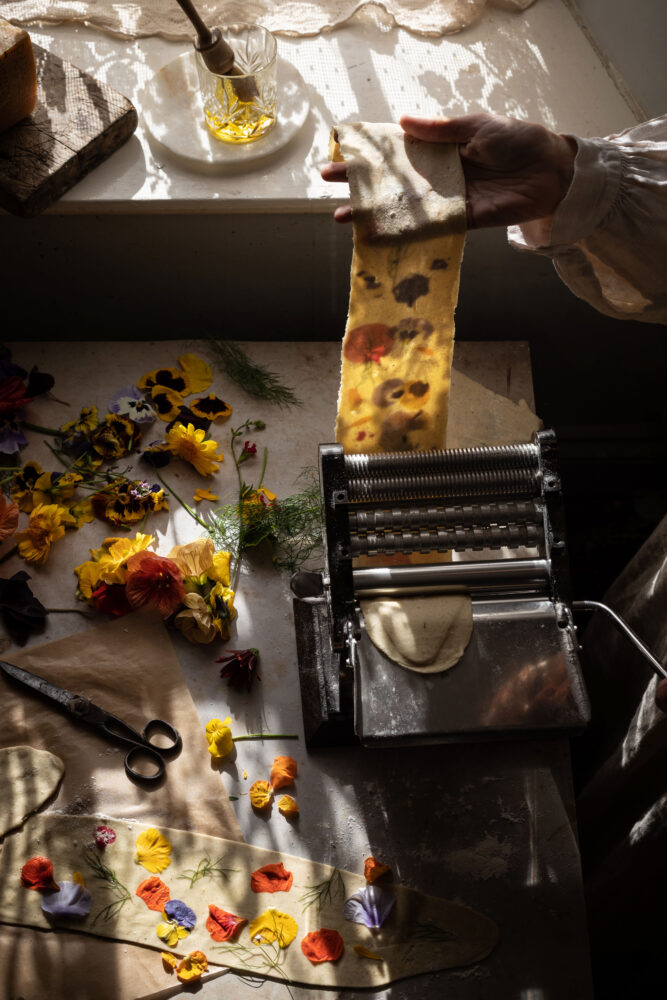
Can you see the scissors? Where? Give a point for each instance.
(142, 747)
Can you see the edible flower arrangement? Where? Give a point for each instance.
(268, 935)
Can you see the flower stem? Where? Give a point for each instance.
(40, 430)
(266, 736)
(190, 511)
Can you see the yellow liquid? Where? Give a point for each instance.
(246, 121)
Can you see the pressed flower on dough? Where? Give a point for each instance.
(153, 851)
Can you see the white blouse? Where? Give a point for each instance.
(608, 237)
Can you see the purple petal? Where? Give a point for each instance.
(71, 901)
(177, 910)
(11, 439)
(370, 906)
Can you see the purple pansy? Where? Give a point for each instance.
(130, 402)
(12, 438)
(177, 910)
(370, 906)
(73, 900)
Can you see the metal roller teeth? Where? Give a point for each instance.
(474, 483)
(489, 457)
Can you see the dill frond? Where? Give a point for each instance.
(324, 892)
(206, 869)
(253, 378)
(105, 874)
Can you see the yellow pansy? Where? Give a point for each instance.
(82, 512)
(87, 421)
(44, 528)
(221, 602)
(198, 371)
(272, 925)
(188, 443)
(194, 558)
(153, 851)
(219, 737)
(191, 968)
(171, 932)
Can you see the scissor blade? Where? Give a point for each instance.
(38, 684)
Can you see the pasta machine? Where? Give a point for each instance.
(498, 511)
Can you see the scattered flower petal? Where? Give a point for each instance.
(211, 408)
(169, 961)
(260, 794)
(374, 869)
(200, 495)
(9, 518)
(370, 905)
(171, 932)
(271, 878)
(154, 893)
(73, 900)
(172, 378)
(219, 737)
(222, 925)
(153, 851)
(167, 402)
(191, 968)
(104, 835)
(325, 945)
(179, 911)
(283, 772)
(79, 879)
(288, 807)
(37, 873)
(367, 953)
(22, 613)
(272, 925)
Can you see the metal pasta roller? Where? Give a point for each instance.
(498, 510)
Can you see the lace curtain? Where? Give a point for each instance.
(284, 17)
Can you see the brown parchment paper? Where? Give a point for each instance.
(129, 668)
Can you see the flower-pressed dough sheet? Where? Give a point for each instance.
(409, 211)
(421, 934)
(28, 778)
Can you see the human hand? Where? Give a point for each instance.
(514, 171)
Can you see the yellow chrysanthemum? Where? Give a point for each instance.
(272, 925)
(219, 737)
(189, 444)
(44, 528)
(260, 794)
(153, 851)
(198, 371)
(194, 558)
(219, 569)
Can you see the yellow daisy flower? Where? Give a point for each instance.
(44, 528)
(188, 443)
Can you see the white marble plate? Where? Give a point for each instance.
(174, 114)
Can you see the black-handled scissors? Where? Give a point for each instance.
(141, 746)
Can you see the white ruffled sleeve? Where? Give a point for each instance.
(608, 237)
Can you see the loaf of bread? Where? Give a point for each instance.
(18, 76)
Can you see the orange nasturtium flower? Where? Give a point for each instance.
(260, 794)
(191, 968)
(271, 878)
(373, 869)
(154, 581)
(325, 945)
(288, 807)
(283, 772)
(37, 873)
(222, 925)
(154, 893)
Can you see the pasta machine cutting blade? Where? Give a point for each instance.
(498, 511)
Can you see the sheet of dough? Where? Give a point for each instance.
(403, 943)
(424, 634)
(28, 777)
(409, 229)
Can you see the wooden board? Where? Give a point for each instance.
(77, 123)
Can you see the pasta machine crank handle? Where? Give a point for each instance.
(623, 627)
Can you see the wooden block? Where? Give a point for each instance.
(77, 123)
